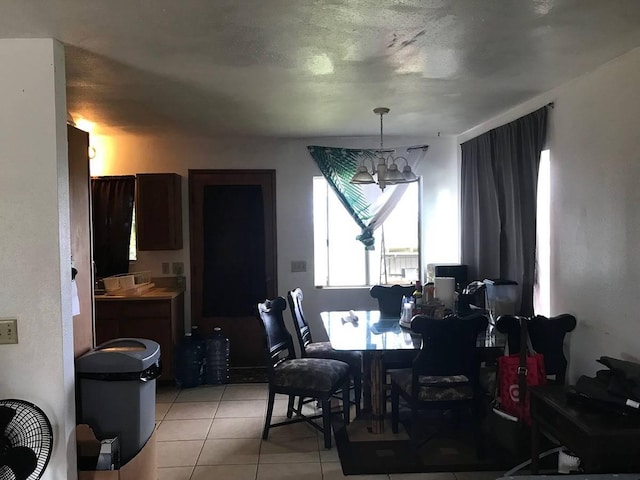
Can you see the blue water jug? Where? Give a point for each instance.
(189, 359)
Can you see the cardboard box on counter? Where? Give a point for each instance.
(141, 467)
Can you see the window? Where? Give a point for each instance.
(133, 251)
(542, 287)
(341, 260)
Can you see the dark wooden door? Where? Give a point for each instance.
(233, 256)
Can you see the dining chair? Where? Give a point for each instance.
(316, 378)
(444, 374)
(309, 348)
(389, 299)
(547, 336)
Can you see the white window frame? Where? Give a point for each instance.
(368, 275)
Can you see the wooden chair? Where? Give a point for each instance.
(309, 348)
(444, 375)
(547, 337)
(389, 299)
(299, 377)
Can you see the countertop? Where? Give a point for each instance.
(156, 293)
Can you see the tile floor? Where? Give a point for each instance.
(214, 432)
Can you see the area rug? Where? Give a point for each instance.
(248, 375)
(363, 453)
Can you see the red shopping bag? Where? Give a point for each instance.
(516, 373)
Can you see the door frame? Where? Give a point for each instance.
(200, 178)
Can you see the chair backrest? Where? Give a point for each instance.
(449, 345)
(390, 298)
(547, 337)
(278, 340)
(302, 328)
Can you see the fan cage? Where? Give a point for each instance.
(30, 428)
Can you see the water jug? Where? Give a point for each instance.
(189, 359)
(217, 362)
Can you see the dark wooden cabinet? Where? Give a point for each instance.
(158, 211)
(157, 319)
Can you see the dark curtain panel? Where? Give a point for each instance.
(234, 257)
(112, 209)
(499, 187)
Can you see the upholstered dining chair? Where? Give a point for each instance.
(547, 336)
(389, 299)
(444, 374)
(309, 348)
(316, 378)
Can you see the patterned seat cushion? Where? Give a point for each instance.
(325, 350)
(321, 375)
(435, 388)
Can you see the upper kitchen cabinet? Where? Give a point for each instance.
(158, 211)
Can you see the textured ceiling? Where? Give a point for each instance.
(293, 68)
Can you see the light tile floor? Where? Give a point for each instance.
(214, 432)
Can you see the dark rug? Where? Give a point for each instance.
(248, 375)
(447, 450)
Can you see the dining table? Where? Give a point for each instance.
(374, 334)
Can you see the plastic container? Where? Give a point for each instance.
(217, 364)
(190, 358)
(117, 391)
(501, 297)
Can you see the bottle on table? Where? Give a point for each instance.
(417, 298)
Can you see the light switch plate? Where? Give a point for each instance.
(178, 268)
(298, 266)
(8, 330)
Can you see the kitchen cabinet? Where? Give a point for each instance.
(158, 211)
(157, 315)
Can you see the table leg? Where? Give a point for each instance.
(377, 393)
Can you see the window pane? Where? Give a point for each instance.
(341, 260)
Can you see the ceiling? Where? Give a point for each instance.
(311, 68)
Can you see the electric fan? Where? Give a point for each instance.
(26, 440)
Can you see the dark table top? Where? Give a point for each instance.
(374, 332)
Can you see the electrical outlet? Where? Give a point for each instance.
(8, 330)
(165, 268)
(178, 268)
(298, 266)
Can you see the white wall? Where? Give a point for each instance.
(295, 169)
(595, 214)
(35, 284)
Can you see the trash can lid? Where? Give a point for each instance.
(120, 355)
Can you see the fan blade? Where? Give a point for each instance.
(6, 414)
(21, 460)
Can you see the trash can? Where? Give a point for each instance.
(117, 391)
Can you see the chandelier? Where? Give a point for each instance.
(386, 171)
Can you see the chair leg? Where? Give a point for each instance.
(346, 404)
(395, 408)
(292, 400)
(476, 411)
(267, 420)
(326, 422)
(357, 392)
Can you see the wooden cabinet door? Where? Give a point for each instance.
(233, 256)
(158, 211)
(80, 228)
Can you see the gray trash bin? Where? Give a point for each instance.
(117, 391)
